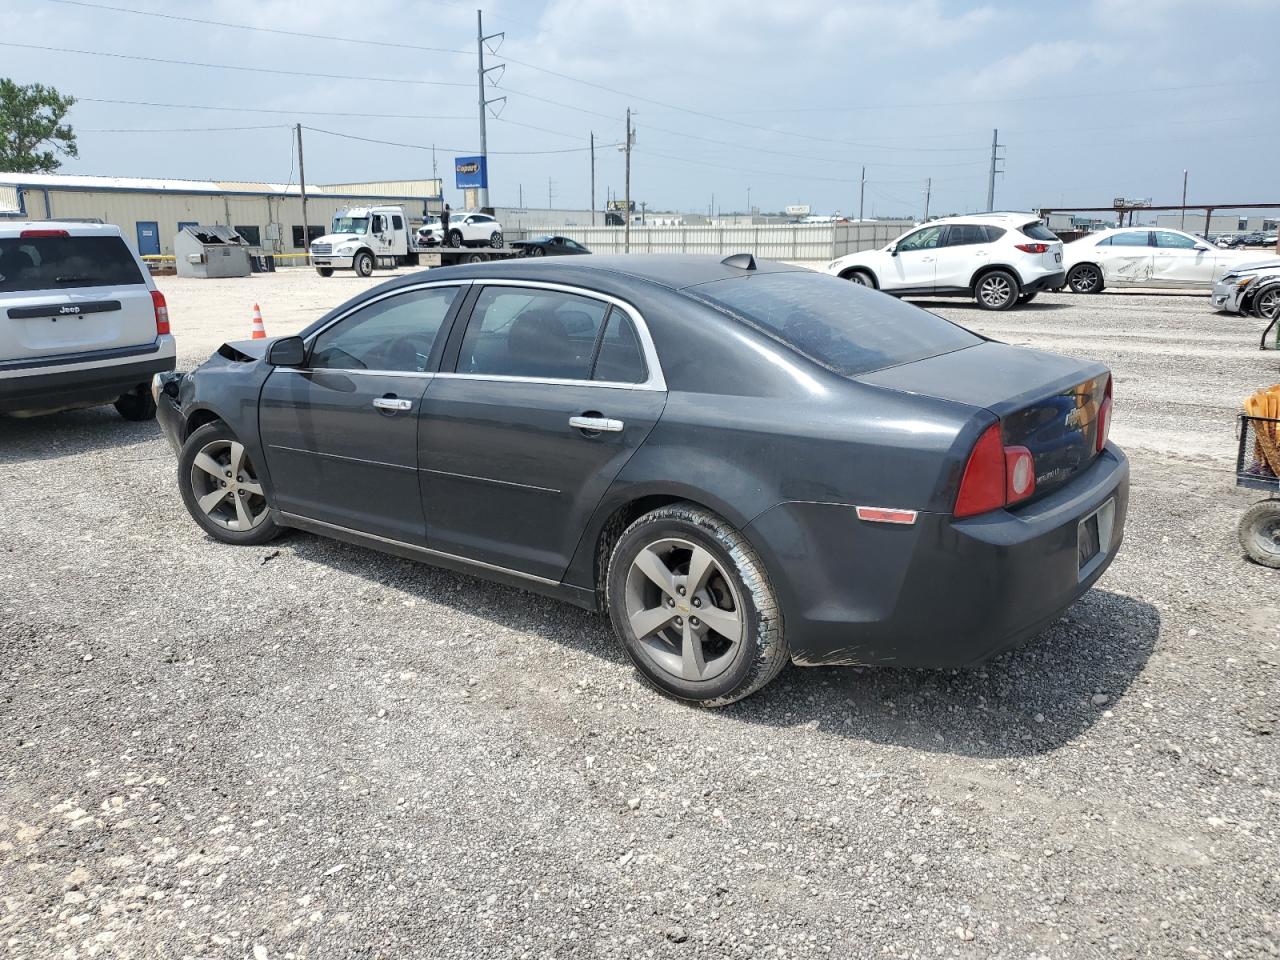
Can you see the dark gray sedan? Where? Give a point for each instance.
(742, 463)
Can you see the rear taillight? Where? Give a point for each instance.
(996, 476)
(1032, 247)
(26, 234)
(1104, 418)
(162, 312)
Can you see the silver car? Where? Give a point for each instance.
(1250, 289)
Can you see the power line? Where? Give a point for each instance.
(267, 126)
(301, 113)
(462, 150)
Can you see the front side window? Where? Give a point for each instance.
(1174, 241)
(63, 263)
(527, 332)
(925, 239)
(1131, 238)
(395, 334)
(840, 325)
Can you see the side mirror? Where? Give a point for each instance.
(1200, 246)
(893, 249)
(287, 352)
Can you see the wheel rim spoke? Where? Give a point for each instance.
(653, 567)
(237, 456)
(727, 623)
(211, 500)
(692, 664)
(242, 514)
(700, 566)
(209, 465)
(645, 622)
(253, 487)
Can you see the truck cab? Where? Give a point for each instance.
(361, 238)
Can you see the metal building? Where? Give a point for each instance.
(152, 212)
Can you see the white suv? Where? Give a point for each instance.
(465, 230)
(999, 259)
(81, 321)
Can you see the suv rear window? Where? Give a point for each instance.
(843, 326)
(63, 263)
(1036, 230)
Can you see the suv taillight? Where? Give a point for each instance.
(1104, 418)
(162, 312)
(996, 476)
(1032, 247)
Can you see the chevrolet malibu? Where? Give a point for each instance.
(742, 463)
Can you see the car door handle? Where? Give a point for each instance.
(392, 403)
(596, 424)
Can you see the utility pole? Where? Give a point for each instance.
(928, 190)
(433, 162)
(748, 201)
(593, 178)
(862, 191)
(302, 185)
(991, 178)
(482, 194)
(520, 194)
(1184, 200)
(550, 190)
(626, 203)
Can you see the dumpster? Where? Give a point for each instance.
(210, 251)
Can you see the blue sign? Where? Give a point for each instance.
(470, 172)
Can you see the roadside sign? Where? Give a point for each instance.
(470, 172)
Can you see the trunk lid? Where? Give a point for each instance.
(1046, 402)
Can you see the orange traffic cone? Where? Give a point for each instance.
(259, 331)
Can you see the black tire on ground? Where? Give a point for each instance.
(1260, 533)
(761, 651)
(217, 431)
(537, 252)
(1266, 303)
(137, 404)
(860, 277)
(325, 271)
(1027, 297)
(363, 264)
(996, 290)
(1085, 278)
(495, 239)
(455, 238)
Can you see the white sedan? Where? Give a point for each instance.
(1145, 257)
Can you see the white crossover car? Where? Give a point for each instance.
(999, 259)
(465, 230)
(1146, 257)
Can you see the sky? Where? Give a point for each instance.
(769, 104)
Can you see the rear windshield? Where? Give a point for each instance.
(63, 263)
(843, 326)
(1036, 230)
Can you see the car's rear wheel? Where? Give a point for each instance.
(1267, 304)
(363, 263)
(222, 488)
(693, 607)
(495, 239)
(1085, 278)
(996, 290)
(325, 271)
(1260, 533)
(860, 277)
(137, 404)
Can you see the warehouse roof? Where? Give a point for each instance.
(150, 185)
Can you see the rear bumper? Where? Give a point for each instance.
(81, 380)
(1048, 281)
(939, 593)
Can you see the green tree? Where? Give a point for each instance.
(32, 133)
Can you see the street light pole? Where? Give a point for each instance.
(626, 202)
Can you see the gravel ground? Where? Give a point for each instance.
(311, 750)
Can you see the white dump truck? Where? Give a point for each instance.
(362, 238)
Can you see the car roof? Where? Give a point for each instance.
(675, 271)
(77, 228)
(998, 217)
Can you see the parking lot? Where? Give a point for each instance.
(308, 749)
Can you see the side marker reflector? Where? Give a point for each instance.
(886, 515)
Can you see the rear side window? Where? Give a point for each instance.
(619, 359)
(64, 263)
(845, 327)
(1036, 230)
(994, 233)
(966, 234)
(527, 332)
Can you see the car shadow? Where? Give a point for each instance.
(958, 304)
(57, 435)
(1029, 700)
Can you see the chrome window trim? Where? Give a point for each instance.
(655, 379)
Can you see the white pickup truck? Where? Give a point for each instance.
(362, 238)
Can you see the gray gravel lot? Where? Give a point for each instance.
(311, 750)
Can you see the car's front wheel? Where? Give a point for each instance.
(455, 238)
(860, 277)
(363, 264)
(537, 252)
(997, 290)
(693, 607)
(1085, 278)
(222, 488)
(1267, 304)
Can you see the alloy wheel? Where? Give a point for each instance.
(1268, 304)
(684, 609)
(995, 290)
(226, 486)
(1084, 279)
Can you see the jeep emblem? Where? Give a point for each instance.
(66, 310)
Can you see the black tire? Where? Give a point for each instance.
(137, 405)
(1260, 533)
(762, 649)
(213, 433)
(1266, 303)
(455, 238)
(1027, 297)
(325, 271)
(363, 264)
(475, 258)
(860, 277)
(1085, 278)
(996, 290)
(495, 239)
(537, 252)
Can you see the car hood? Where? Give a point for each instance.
(1257, 266)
